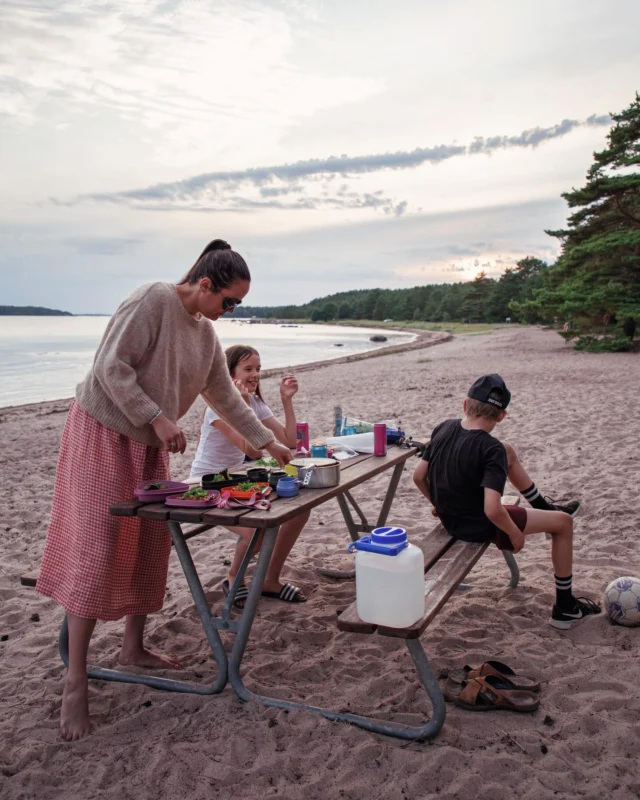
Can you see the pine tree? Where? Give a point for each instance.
(596, 281)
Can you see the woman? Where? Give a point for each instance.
(158, 353)
(222, 447)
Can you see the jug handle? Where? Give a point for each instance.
(352, 547)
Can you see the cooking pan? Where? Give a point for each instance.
(317, 473)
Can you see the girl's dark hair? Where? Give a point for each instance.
(220, 264)
(237, 353)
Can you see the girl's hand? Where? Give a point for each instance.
(243, 389)
(288, 387)
(169, 434)
(278, 451)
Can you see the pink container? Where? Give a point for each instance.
(380, 439)
(147, 495)
(302, 436)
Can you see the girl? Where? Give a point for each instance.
(158, 353)
(222, 447)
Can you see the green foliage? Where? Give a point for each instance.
(317, 315)
(603, 344)
(596, 281)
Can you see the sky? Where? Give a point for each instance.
(336, 144)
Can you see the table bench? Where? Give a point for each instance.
(354, 472)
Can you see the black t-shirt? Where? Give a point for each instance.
(461, 464)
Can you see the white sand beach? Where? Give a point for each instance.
(573, 419)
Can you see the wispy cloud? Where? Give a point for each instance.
(186, 73)
(311, 184)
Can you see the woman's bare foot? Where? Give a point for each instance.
(146, 658)
(74, 714)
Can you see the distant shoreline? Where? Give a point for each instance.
(32, 311)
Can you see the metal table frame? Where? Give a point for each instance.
(267, 525)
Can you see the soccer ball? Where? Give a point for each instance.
(622, 601)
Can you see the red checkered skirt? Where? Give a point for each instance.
(95, 565)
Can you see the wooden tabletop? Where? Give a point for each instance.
(354, 471)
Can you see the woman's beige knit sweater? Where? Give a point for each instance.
(153, 355)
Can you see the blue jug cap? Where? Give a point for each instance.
(387, 541)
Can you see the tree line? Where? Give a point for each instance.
(593, 288)
(481, 300)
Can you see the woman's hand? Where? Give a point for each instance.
(169, 434)
(278, 451)
(288, 387)
(243, 389)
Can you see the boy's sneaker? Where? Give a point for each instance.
(571, 508)
(567, 618)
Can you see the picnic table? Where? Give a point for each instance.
(353, 472)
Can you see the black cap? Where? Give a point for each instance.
(484, 386)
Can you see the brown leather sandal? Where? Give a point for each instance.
(491, 693)
(495, 668)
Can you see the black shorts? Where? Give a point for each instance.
(519, 516)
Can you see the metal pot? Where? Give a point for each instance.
(317, 473)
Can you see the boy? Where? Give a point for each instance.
(463, 473)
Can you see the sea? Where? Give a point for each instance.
(43, 358)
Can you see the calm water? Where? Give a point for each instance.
(43, 358)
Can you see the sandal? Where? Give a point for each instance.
(491, 693)
(288, 593)
(241, 594)
(494, 668)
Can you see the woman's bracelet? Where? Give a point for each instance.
(155, 416)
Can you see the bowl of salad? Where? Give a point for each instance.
(195, 497)
(246, 490)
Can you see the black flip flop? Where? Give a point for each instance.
(241, 594)
(288, 593)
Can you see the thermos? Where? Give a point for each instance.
(380, 439)
(337, 420)
(302, 436)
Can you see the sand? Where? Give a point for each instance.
(574, 420)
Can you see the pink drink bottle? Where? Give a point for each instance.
(302, 436)
(380, 439)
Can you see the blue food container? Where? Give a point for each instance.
(288, 486)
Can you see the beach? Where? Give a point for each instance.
(574, 421)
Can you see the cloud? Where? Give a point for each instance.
(311, 181)
(184, 73)
(101, 245)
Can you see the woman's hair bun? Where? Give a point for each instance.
(220, 264)
(218, 244)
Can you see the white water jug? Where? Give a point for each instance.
(389, 578)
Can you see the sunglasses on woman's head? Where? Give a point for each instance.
(230, 302)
